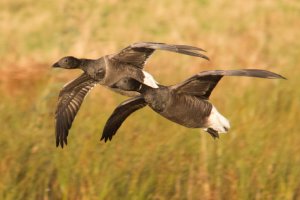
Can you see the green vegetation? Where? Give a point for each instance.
(150, 157)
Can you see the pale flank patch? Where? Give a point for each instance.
(217, 121)
(149, 80)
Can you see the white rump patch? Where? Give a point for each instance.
(217, 121)
(149, 80)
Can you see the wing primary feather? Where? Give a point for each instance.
(69, 102)
(120, 114)
(138, 53)
(258, 73)
(202, 84)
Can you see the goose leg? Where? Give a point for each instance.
(213, 133)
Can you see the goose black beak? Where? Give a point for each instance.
(55, 65)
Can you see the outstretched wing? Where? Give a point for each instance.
(138, 53)
(120, 114)
(202, 84)
(69, 102)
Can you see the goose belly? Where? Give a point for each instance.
(187, 111)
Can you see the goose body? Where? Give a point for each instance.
(187, 110)
(186, 103)
(129, 62)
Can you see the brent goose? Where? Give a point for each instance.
(185, 103)
(129, 62)
(106, 71)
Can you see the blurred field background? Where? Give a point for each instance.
(150, 157)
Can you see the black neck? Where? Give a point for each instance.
(144, 88)
(84, 63)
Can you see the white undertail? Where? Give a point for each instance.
(217, 121)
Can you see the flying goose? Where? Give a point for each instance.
(185, 103)
(106, 71)
(129, 62)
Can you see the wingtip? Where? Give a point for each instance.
(104, 139)
(282, 77)
(277, 76)
(61, 143)
(202, 50)
(204, 56)
(273, 75)
(207, 58)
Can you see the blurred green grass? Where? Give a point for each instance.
(150, 157)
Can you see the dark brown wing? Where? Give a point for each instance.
(138, 53)
(69, 102)
(202, 84)
(120, 114)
